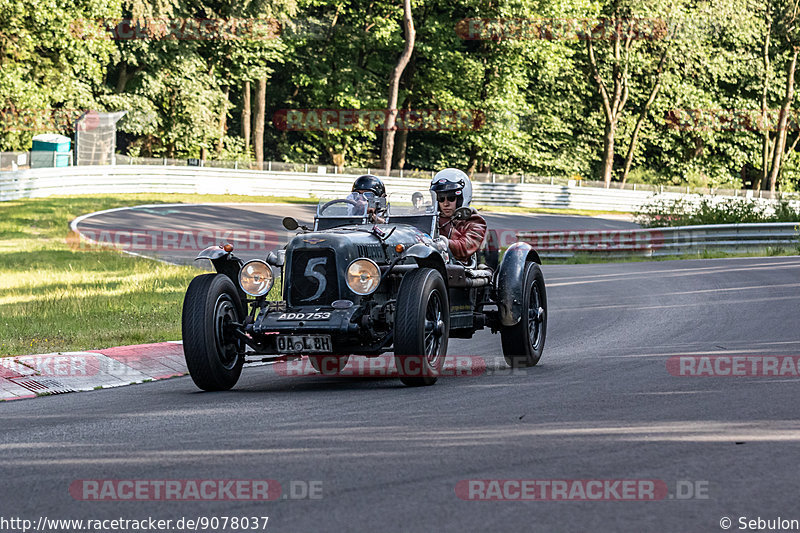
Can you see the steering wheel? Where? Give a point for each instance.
(339, 201)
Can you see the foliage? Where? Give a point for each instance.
(665, 212)
(542, 113)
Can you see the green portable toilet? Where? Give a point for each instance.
(50, 150)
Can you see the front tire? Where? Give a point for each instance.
(421, 327)
(214, 355)
(523, 343)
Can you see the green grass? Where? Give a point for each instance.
(54, 297)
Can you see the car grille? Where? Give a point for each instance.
(371, 251)
(314, 280)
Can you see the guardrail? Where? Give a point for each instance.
(205, 180)
(660, 242)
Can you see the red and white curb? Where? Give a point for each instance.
(28, 376)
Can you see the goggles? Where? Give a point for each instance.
(446, 197)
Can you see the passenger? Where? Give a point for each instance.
(418, 200)
(463, 235)
(364, 186)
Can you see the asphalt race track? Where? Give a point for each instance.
(200, 222)
(601, 405)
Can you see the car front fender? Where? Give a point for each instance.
(224, 263)
(427, 257)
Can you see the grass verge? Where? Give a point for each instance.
(54, 298)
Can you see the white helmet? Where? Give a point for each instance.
(452, 179)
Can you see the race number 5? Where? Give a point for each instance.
(313, 274)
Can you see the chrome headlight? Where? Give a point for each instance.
(255, 278)
(363, 276)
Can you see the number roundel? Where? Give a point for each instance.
(313, 274)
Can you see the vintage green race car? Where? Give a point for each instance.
(357, 285)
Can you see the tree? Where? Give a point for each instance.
(787, 13)
(394, 86)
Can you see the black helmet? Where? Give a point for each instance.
(368, 182)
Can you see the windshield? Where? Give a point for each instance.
(335, 206)
(411, 203)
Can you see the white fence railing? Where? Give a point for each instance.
(660, 242)
(207, 180)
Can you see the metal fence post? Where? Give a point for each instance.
(269, 166)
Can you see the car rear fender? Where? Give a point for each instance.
(510, 279)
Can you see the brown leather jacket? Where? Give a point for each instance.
(465, 236)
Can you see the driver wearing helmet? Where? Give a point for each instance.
(463, 234)
(364, 186)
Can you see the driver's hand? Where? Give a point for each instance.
(462, 213)
(442, 243)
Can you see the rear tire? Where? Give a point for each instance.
(523, 343)
(421, 327)
(214, 355)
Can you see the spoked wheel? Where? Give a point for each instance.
(523, 343)
(214, 354)
(421, 327)
(329, 365)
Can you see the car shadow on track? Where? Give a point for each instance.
(494, 373)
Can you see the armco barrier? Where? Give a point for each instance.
(659, 242)
(206, 180)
